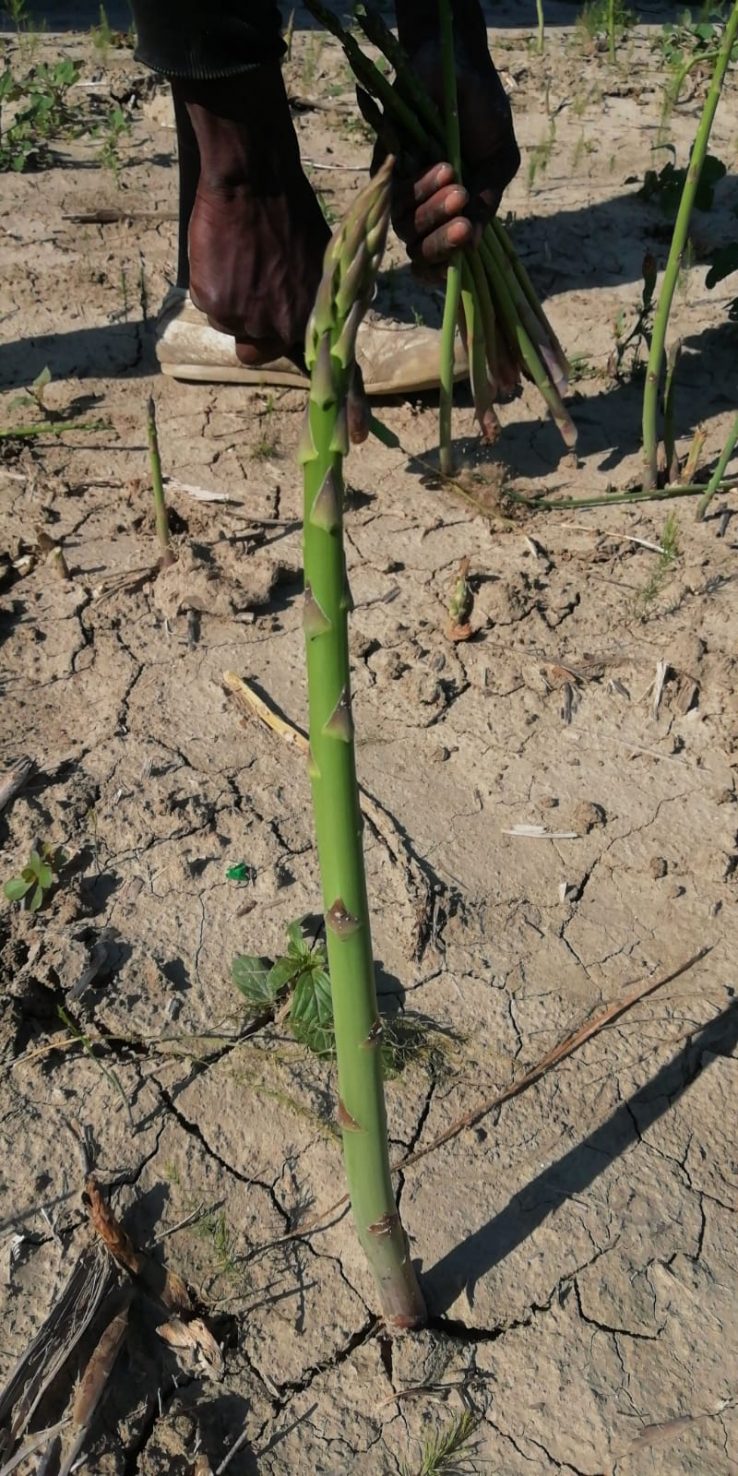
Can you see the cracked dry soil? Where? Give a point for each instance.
(578, 1247)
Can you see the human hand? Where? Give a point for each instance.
(433, 213)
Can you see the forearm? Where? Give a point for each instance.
(417, 23)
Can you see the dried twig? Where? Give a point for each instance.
(95, 1381)
(165, 1285)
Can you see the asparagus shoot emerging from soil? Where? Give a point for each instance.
(677, 248)
(157, 485)
(351, 262)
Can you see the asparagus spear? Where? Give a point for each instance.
(351, 262)
(676, 250)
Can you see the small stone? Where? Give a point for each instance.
(676, 891)
(726, 797)
(549, 802)
(587, 816)
(658, 867)
(440, 754)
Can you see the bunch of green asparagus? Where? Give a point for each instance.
(506, 330)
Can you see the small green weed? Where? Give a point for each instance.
(689, 38)
(599, 17)
(296, 986)
(639, 337)
(297, 981)
(448, 1453)
(666, 561)
(17, 13)
(37, 878)
(266, 447)
(540, 155)
(34, 394)
(116, 127)
(213, 1226)
(101, 35)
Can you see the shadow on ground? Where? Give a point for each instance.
(573, 1174)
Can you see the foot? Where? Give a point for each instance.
(257, 234)
(395, 358)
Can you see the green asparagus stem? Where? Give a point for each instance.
(453, 270)
(541, 27)
(157, 487)
(719, 472)
(612, 499)
(351, 262)
(672, 364)
(676, 250)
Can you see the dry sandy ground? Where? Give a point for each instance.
(578, 1247)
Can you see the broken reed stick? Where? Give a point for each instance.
(572, 1043)
(157, 487)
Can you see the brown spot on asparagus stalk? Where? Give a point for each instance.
(346, 1122)
(340, 920)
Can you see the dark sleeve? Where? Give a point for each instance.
(207, 38)
(417, 22)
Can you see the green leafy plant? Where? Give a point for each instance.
(610, 18)
(666, 186)
(37, 878)
(297, 984)
(689, 38)
(116, 127)
(35, 393)
(296, 987)
(42, 113)
(630, 342)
